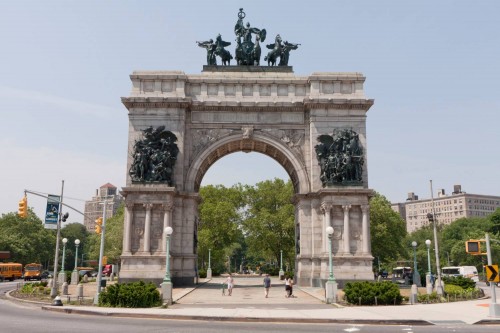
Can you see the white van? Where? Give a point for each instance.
(465, 271)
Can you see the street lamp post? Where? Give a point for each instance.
(416, 276)
(62, 274)
(331, 284)
(281, 273)
(74, 274)
(432, 218)
(166, 286)
(54, 288)
(209, 269)
(428, 277)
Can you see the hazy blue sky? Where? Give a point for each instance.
(431, 66)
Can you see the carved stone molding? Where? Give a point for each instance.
(326, 207)
(293, 138)
(365, 208)
(202, 138)
(247, 132)
(346, 208)
(148, 206)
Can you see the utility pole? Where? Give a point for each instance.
(53, 290)
(101, 253)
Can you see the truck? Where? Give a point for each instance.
(465, 271)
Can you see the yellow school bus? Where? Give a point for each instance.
(10, 271)
(32, 272)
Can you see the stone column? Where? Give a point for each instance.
(365, 229)
(129, 211)
(326, 207)
(147, 228)
(347, 236)
(167, 220)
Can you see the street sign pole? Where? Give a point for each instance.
(494, 307)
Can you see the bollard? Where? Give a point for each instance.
(57, 301)
(79, 291)
(65, 288)
(85, 278)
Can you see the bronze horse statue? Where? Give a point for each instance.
(275, 52)
(224, 54)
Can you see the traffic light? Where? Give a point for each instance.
(98, 225)
(473, 247)
(23, 207)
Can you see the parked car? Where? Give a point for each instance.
(45, 275)
(88, 273)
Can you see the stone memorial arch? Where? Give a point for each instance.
(181, 124)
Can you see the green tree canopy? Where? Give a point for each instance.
(388, 232)
(269, 220)
(26, 239)
(113, 239)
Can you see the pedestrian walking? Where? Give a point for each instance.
(230, 284)
(267, 285)
(287, 287)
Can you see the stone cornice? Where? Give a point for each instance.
(235, 105)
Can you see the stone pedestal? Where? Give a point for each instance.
(428, 284)
(331, 292)
(75, 278)
(166, 293)
(61, 278)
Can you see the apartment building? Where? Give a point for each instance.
(447, 208)
(94, 207)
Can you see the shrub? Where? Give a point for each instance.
(202, 273)
(364, 293)
(130, 295)
(460, 281)
(453, 290)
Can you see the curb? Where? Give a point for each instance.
(240, 319)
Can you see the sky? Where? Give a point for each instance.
(431, 66)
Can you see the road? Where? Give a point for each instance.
(22, 317)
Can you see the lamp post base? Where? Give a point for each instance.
(281, 274)
(61, 278)
(428, 284)
(166, 291)
(331, 292)
(75, 278)
(209, 273)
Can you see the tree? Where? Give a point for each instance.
(388, 231)
(457, 233)
(26, 239)
(218, 230)
(269, 222)
(494, 218)
(72, 232)
(113, 239)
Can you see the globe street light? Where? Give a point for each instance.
(166, 286)
(281, 273)
(74, 274)
(428, 279)
(62, 275)
(209, 269)
(331, 284)
(416, 276)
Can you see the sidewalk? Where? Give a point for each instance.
(205, 302)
